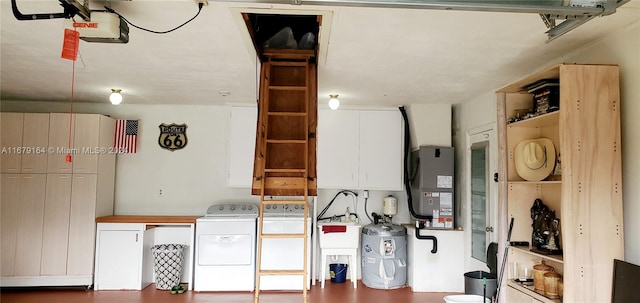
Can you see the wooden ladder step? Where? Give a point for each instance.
(284, 170)
(287, 87)
(279, 272)
(288, 141)
(284, 182)
(288, 114)
(283, 236)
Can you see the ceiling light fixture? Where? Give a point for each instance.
(115, 96)
(334, 103)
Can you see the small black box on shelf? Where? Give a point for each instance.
(546, 96)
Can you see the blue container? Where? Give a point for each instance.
(338, 272)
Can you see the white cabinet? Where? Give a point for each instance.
(35, 135)
(48, 216)
(124, 259)
(360, 149)
(338, 150)
(24, 142)
(242, 141)
(11, 139)
(380, 150)
(56, 224)
(82, 224)
(88, 132)
(60, 141)
(22, 213)
(119, 248)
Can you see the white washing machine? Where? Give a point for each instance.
(285, 254)
(225, 248)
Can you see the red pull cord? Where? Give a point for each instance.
(73, 80)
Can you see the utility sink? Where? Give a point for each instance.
(339, 235)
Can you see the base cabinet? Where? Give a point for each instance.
(124, 257)
(119, 250)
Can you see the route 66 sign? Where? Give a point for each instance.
(173, 136)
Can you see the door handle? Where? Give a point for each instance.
(489, 229)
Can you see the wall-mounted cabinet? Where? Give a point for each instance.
(585, 191)
(357, 149)
(360, 149)
(24, 142)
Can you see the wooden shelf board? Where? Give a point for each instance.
(539, 121)
(528, 290)
(525, 249)
(534, 182)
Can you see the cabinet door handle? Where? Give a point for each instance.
(489, 229)
(136, 237)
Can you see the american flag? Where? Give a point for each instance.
(126, 136)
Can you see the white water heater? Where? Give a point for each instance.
(384, 256)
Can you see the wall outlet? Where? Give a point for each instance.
(160, 193)
(204, 2)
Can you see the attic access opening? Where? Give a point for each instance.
(283, 32)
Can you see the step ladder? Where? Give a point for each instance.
(285, 158)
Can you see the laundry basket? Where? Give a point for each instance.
(167, 264)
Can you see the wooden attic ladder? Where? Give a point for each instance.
(285, 158)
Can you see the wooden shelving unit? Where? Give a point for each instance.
(586, 197)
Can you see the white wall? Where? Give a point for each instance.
(621, 47)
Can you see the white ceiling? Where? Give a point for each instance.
(374, 56)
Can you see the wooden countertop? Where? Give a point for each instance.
(148, 219)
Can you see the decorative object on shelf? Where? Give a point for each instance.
(535, 159)
(552, 285)
(539, 270)
(173, 136)
(546, 96)
(546, 229)
(521, 114)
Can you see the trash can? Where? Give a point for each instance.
(474, 283)
(338, 272)
(167, 264)
(474, 280)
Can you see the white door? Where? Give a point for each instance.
(11, 125)
(118, 263)
(29, 232)
(35, 137)
(60, 142)
(338, 133)
(481, 192)
(56, 224)
(86, 138)
(82, 225)
(380, 165)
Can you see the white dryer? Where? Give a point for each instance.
(225, 248)
(284, 253)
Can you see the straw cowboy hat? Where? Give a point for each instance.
(535, 159)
